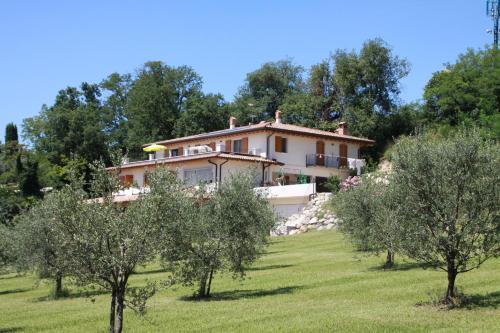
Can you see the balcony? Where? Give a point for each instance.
(336, 162)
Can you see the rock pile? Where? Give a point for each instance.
(313, 216)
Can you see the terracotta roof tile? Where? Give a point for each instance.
(266, 126)
(179, 159)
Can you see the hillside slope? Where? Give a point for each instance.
(312, 282)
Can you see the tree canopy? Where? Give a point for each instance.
(466, 92)
(448, 193)
(11, 133)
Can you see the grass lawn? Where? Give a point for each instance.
(307, 283)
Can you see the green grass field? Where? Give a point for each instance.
(308, 283)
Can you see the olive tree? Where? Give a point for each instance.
(367, 216)
(6, 253)
(448, 189)
(223, 229)
(103, 241)
(37, 246)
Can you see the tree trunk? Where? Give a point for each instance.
(120, 299)
(452, 275)
(389, 262)
(112, 311)
(58, 285)
(210, 281)
(202, 292)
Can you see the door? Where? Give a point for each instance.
(343, 155)
(320, 153)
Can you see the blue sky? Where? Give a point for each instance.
(48, 45)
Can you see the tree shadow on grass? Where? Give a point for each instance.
(463, 301)
(13, 291)
(490, 300)
(271, 252)
(11, 329)
(75, 294)
(153, 271)
(268, 267)
(234, 295)
(404, 266)
(8, 277)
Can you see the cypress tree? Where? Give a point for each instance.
(11, 133)
(28, 180)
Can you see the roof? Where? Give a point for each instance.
(179, 159)
(270, 126)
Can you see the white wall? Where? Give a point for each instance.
(295, 158)
(298, 147)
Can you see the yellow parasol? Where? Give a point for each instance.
(154, 148)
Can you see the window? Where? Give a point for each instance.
(174, 152)
(280, 144)
(237, 145)
(127, 180)
(196, 176)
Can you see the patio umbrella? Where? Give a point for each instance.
(153, 148)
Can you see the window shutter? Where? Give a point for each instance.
(228, 146)
(180, 151)
(343, 154)
(277, 144)
(244, 146)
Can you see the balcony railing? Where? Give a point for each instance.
(330, 161)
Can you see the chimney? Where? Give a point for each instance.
(342, 130)
(232, 122)
(278, 117)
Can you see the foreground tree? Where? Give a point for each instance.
(369, 216)
(448, 190)
(7, 256)
(38, 246)
(223, 232)
(102, 242)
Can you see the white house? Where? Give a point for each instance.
(284, 155)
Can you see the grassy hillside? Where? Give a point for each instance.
(308, 283)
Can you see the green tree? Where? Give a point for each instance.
(204, 113)
(11, 204)
(467, 92)
(225, 232)
(7, 256)
(156, 100)
(11, 133)
(116, 87)
(28, 178)
(38, 246)
(368, 84)
(368, 216)
(448, 192)
(266, 88)
(102, 242)
(72, 126)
